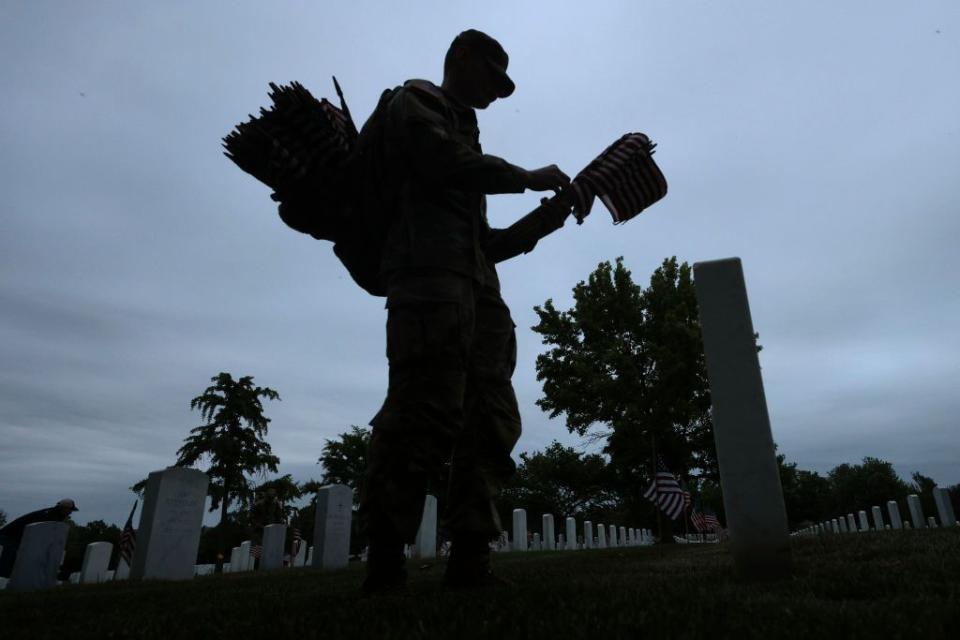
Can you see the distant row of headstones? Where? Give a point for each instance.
(169, 536)
(606, 535)
(851, 524)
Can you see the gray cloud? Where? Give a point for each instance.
(817, 142)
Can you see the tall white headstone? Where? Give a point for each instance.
(331, 531)
(426, 544)
(274, 540)
(571, 534)
(310, 556)
(749, 474)
(549, 535)
(612, 536)
(244, 557)
(944, 507)
(169, 533)
(877, 518)
(843, 524)
(893, 510)
(931, 522)
(38, 558)
(519, 529)
(601, 536)
(623, 536)
(587, 535)
(864, 523)
(537, 543)
(916, 511)
(96, 558)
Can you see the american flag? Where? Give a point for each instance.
(704, 519)
(624, 177)
(128, 538)
(666, 492)
(255, 551)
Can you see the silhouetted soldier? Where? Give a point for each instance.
(450, 339)
(12, 533)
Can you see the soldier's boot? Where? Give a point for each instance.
(469, 564)
(385, 567)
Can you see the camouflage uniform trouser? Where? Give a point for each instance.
(451, 347)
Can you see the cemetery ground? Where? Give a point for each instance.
(887, 584)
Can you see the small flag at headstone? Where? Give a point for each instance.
(128, 538)
(255, 551)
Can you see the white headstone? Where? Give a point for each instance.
(851, 523)
(749, 474)
(227, 567)
(108, 575)
(244, 559)
(571, 536)
(623, 536)
(170, 521)
(204, 569)
(274, 540)
(587, 535)
(944, 507)
(123, 570)
(331, 532)
(235, 564)
(537, 543)
(96, 558)
(74, 578)
(843, 524)
(309, 556)
(549, 535)
(38, 558)
(877, 518)
(426, 544)
(561, 542)
(300, 559)
(931, 522)
(916, 510)
(601, 536)
(893, 510)
(612, 536)
(519, 529)
(864, 523)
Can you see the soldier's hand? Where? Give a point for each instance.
(547, 178)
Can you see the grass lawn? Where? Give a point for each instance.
(885, 585)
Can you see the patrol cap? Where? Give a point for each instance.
(493, 54)
(68, 503)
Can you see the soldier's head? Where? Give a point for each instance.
(475, 70)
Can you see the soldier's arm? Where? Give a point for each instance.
(437, 157)
(522, 236)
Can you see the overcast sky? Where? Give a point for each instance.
(817, 141)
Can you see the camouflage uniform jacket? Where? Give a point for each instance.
(439, 176)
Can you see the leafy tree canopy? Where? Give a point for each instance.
(631, 359)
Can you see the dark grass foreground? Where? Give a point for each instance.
(886, 585)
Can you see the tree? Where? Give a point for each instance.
(561, 481)
(232, 440)
(344, 460)
(858, 486)
(631, 359)
(806, 494)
